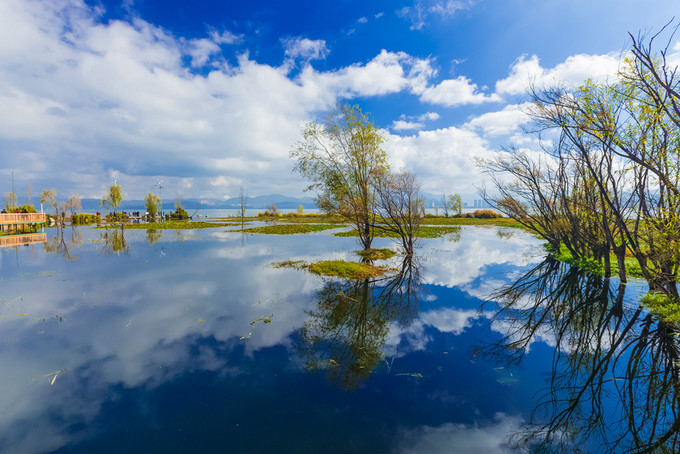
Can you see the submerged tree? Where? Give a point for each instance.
(341, 157)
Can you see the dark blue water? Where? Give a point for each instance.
(191, 341)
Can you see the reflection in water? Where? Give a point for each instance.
(604, 349)
(64, 244)
(153, 235)
(114, 241)
(350, 323)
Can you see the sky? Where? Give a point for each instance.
(209, 96)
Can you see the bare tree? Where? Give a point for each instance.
(400, 207)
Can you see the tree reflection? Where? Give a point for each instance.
(346, 330)
(113, 241)
(615, 368)
(153, 235)
(64, 244)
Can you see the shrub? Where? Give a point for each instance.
(179, 214)
(485, 214)
(85, 218)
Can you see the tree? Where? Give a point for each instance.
(113, 198)
(342, 157)
(243, 199)
(452, 203)
(153, 204)
(50, 196)
(11, 202)
(400, 207)
(73, 204)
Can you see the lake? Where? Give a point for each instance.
(192, 341)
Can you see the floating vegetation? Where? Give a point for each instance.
(289, 229)
(339, 268)
(423, 232)
(349, 270)
(263, 319)
(377, 254)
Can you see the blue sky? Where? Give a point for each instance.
(210, 96)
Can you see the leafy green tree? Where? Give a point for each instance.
(456, 204)
(341, 157)
(49, 196)
(153, 204)
(113, 198)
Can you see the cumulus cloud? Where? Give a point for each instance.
(413, 122)
(505, 121)
(84, 99)
(572, 72)
(456, 92)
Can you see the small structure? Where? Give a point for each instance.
(15, 222)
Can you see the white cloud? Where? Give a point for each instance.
(225, 37)
(572, 72)
(456, 92)
(403, 125)
(501, 122)
(362, 20)
(306, 49)
(487, 437)
(422, 10)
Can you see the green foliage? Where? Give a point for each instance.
(179, 214)
(26, 208)
(113, 198)
(179, 225)
(300, 209)
(376, 254)
(85, 219)
(289, 229)
(340, 158)
(423, 232)
(153, 204)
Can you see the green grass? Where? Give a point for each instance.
(339, 268)
(377, 254)
(349, 270)
(500, 222)
(665, 308)
(592, 266)
(424, 232)
(177, 225)
(289, 229)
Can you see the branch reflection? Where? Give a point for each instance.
(615, 368)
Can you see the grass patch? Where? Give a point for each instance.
(339, 268)
(377, 254)
(289, 229)
(424, 232)
(500, 222)
(665, 308)
(349, 270)
(592, 266)
(178, 225)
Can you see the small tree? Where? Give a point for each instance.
(401, 207)
(49, 196)
(73, 204)
(272, 211)
(243, 198)
(445, 205)
(456, 204)
(153, 204)
(11, 202)
(300, 209)
(113, 198)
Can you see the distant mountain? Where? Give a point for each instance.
(256, 202)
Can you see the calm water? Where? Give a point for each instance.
(191, 341)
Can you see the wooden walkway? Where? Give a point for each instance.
(18, 240)
(13, 221)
